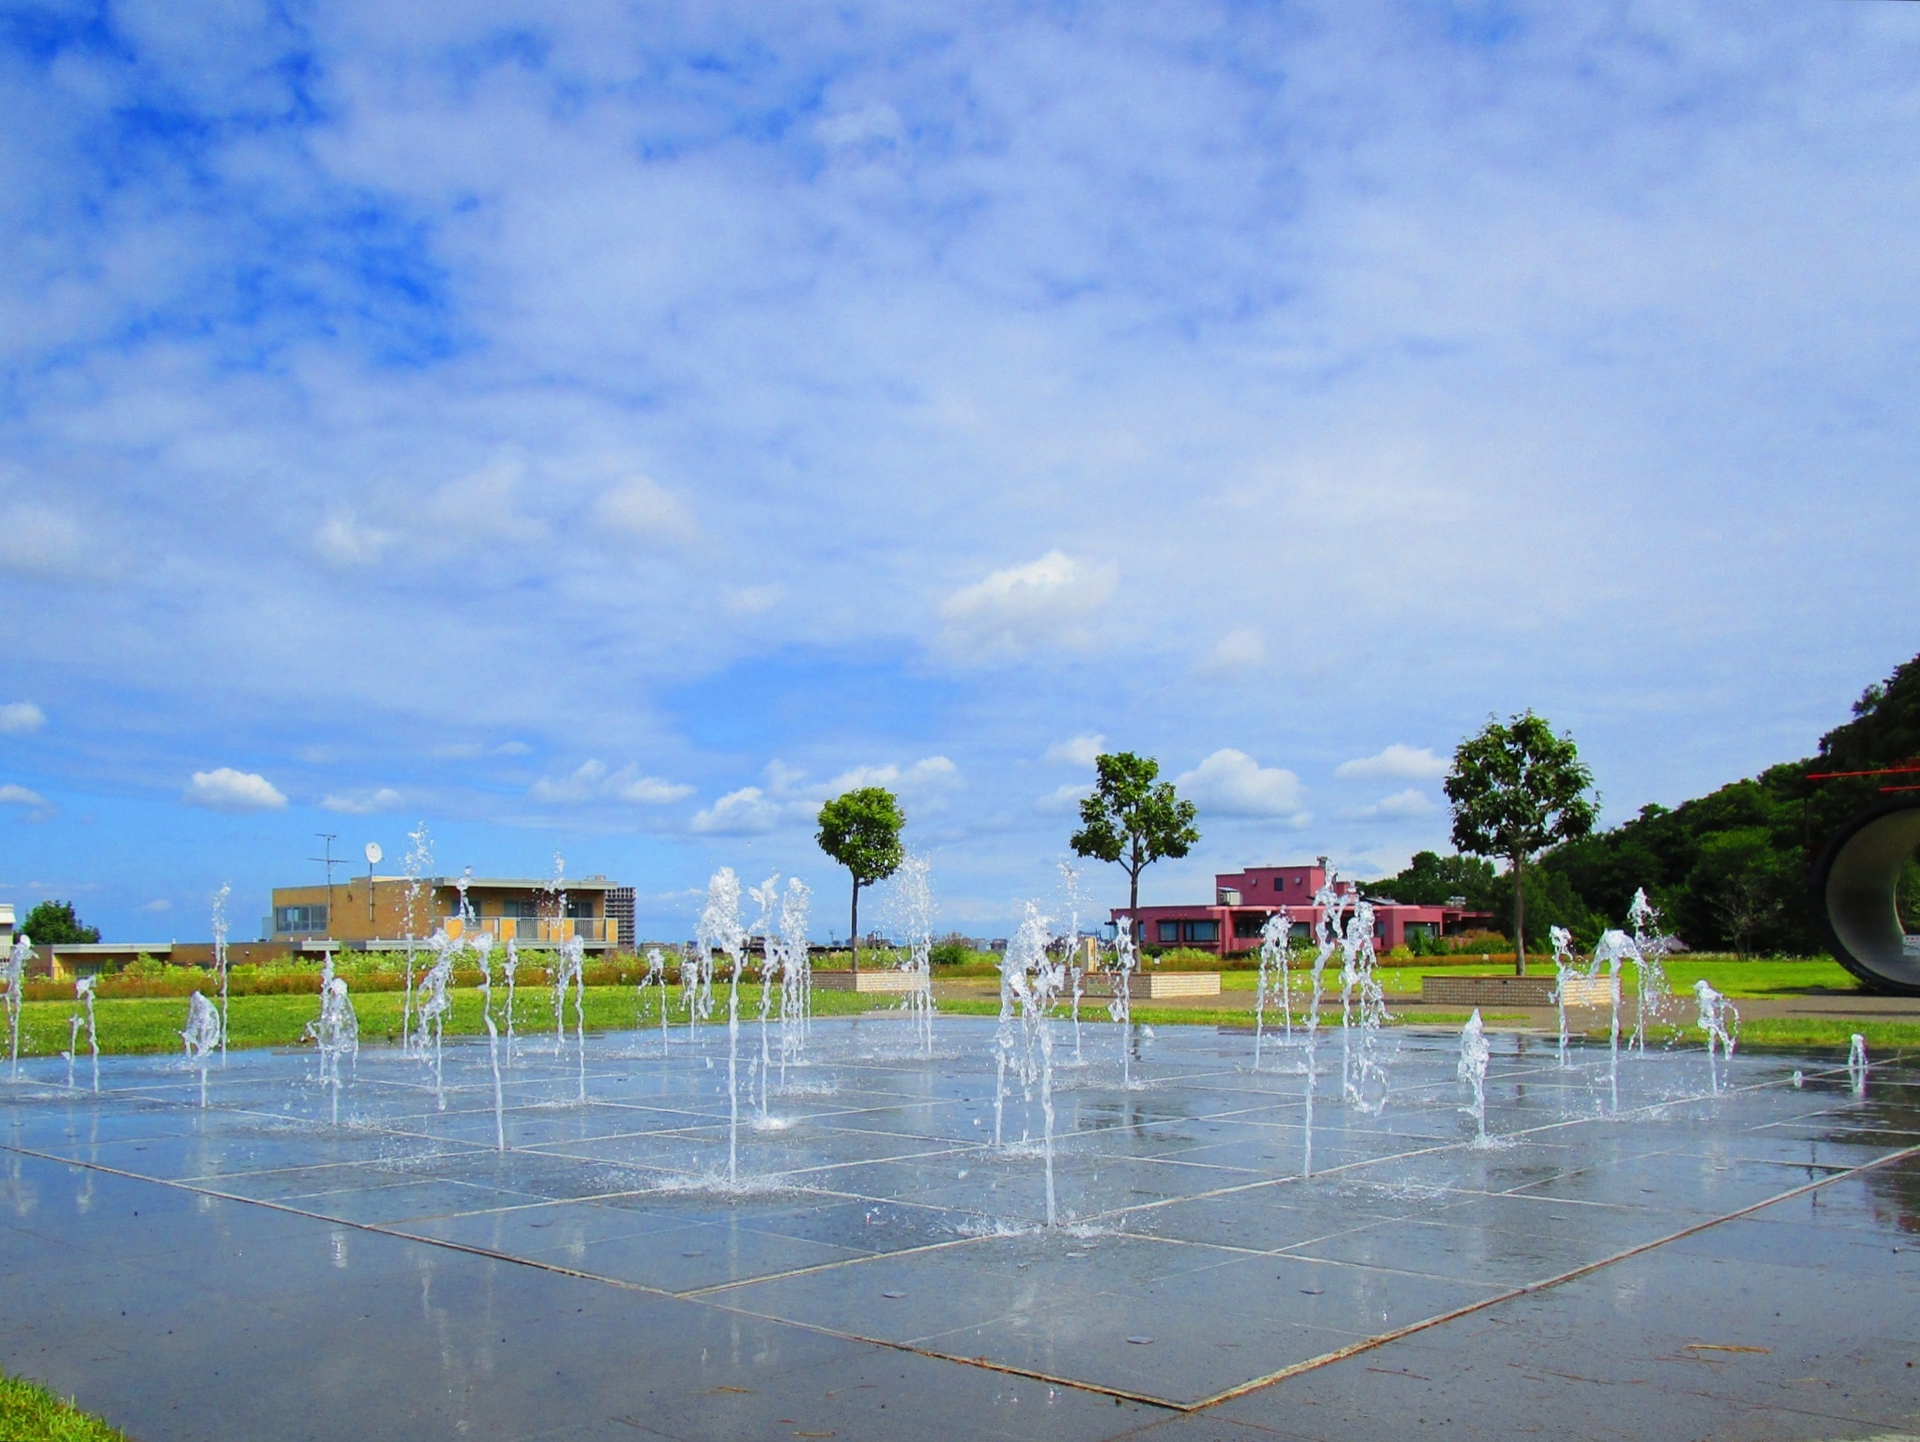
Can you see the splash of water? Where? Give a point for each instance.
(509, 966)
(220, 957)
(202, 1035)
(720, 929)
(419, 862)
(336, 1033)
(656, 977)
(912, 907)
(1330, 904)
(484, 946)
(432, 1005)
(1276, 942)
(1120, 969)
(1614, 950)
(1472, 1069)
(1031, 979)
(766, 896)
(1563, 967)
(1653, 996)
(1857, 1066)
(17, 960)
(1721, 1022)
(1366, 1088)
(796, 973)
(83, 993)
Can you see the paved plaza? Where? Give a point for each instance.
(1726, 1252)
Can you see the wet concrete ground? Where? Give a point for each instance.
(1740, 1263)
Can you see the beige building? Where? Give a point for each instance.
(384, 910)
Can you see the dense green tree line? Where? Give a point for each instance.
(1729, 870)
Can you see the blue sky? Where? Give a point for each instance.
(610, 429)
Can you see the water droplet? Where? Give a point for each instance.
(1141, 1341)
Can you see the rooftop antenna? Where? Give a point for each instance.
(329, 861)
(374, 854)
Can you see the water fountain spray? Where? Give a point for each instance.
(433, 1005)
(220, 957)
(1366, 1087)
(796, 972)
(1857, 1066)
(720, 930)
(1276, 938)
(82, 992)
(336, 1033)
(1721, 1022)
(1474, 1055)
(1563, 967)
(17, 960)
(483, 944)
(1654, 993)
(656, 977)
(912, 903)
(509, 966)
(1615, 948)
(1125, 962)
(202, 1035)
(1030, 981)
(766, 896)
(1330, 907)
(419, 862)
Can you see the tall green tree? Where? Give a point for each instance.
(1516, 789)
(1133, 818)
(53, 923)
(861, 831)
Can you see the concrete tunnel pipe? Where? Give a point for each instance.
(1854, 887)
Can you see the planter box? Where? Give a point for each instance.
(1159, 985)
(880, 979)
(1487, 990)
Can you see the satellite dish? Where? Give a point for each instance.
(374, 853)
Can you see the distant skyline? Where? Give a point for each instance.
(613, 432)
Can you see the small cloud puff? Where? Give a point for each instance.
(11, 795)
(1232, 783)
(1011, 611)
(871, 127)
(593, 781)
(1413, 763)
(385, 799)
(1399, 805)
(1064, 799)
(224, 789)
(19, 717)
(641, 508)
(158, 904)
(1233, 653)
(739, 813)
(1080, 751)
(343, 541)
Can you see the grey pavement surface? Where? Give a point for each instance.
(1726, 1253)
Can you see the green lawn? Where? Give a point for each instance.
(30, 1413)
(1727, 976)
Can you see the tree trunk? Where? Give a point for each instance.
(853, 929)
(1133, 904)
(1519, 917)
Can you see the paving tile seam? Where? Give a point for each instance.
(1546, 1284)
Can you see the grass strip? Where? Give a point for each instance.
(30, 1413)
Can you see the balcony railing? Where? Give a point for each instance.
(540, 930)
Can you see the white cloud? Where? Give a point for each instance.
(224, 789)
(1064, 799)
(640, 508)
(876, 125)
(1080, 751)
(1232, 783)
(384, 799)
(1400, 805)
(1014, 610)
(924, 778)
(20, 717)
(1233, 653)
(157, 904)
(1398, 760)
(739, 813)
(594, 781)
(39, 541)
(343, 541)
(11, 795)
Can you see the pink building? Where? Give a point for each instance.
(1243, 900)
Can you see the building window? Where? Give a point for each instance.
(580, 908)
(1248, 923)
(520, 908)
(1207, 931)
(290, 919)
(1169, 931)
